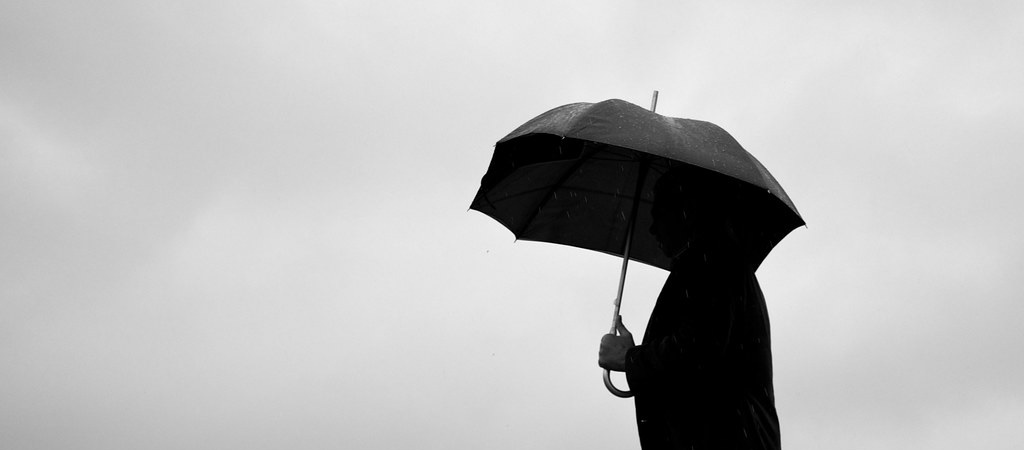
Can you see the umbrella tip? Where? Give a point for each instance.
(654, 101)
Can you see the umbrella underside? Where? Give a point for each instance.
(580, 193)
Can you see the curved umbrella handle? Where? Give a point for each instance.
(611, 387)
(607, 373)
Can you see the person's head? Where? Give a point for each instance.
(691, 207)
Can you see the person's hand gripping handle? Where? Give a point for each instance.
(612, 355)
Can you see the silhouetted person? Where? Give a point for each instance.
(702, 378)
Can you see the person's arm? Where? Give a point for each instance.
(695, 346)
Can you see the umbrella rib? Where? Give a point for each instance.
(652, 168)
(531, 191)
(565, 175)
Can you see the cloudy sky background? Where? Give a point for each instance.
(244, 225)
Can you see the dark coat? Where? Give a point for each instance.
(702, 377)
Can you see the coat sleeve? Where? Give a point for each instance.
(692, 348)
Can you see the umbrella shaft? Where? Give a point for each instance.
(641, 177)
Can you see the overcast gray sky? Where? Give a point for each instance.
(243, 224)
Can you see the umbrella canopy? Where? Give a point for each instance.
(570, 176)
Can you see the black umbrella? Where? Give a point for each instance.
(583, 175)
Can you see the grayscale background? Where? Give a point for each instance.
(244, 224)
